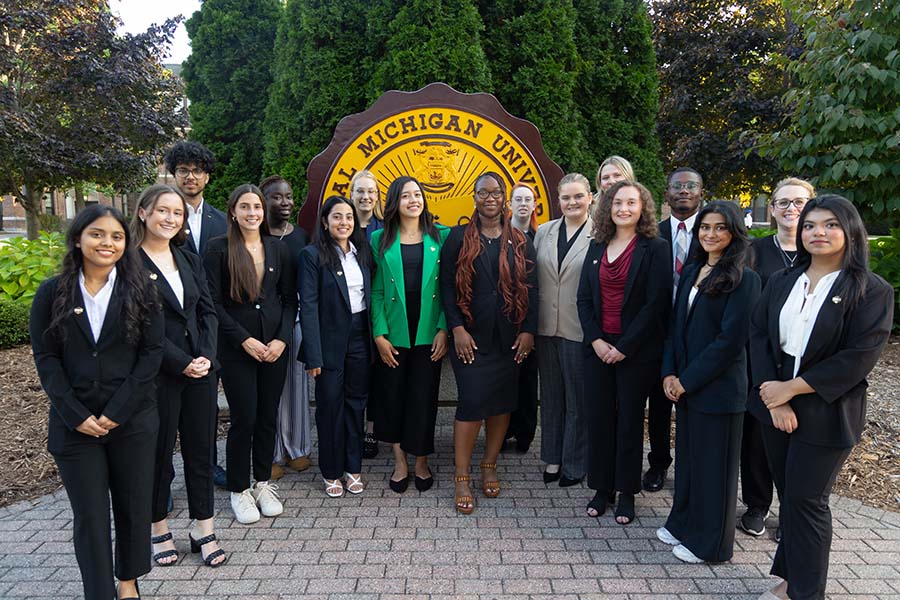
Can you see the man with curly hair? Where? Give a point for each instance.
(191, 164)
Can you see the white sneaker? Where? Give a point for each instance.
(266, 497)
(666, 537)
(682, 553)
(244, 506)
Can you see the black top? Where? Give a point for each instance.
(296, 241)
(563, 245)
(413, 256)
(770, 258)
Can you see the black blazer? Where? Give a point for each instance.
(645, 305)
(82, 377)
(665, 232)
(767, 258)
(191, 331)
(487, 303)
(706, 344)
(214, 225)
(843, 347)
(325, 315)
(272, 313)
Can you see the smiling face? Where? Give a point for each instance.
(191, 179)
(279, 202)
(609, 175)
(787, 218)
(364, 194)
(822, 235)
(714, 235)
(683, 194)
(102, 243)
(494, 201)
(249, 212)
(626, 207)
(411, 201)
(522, 202)
(165, 218)
(574, 201)
(339, 222)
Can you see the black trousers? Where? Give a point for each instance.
(756, 479)
(407, 399)
(614, 396)
(341, 396)
(707, 453)
(186, 406)
(253, 390)
(806, 475)
(118, 465)
(659, 426)
(523, 420)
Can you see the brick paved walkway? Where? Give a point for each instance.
(532, 542)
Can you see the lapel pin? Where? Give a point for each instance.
(78, 310)
(271, 269)
(836, 299)
(340, 273)
(433, 248)
(596, 261)
(187, 231)
(153, 276)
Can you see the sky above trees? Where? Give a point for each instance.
(138, 15)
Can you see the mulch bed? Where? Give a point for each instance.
(872, 473)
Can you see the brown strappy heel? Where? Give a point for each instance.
(464, 504)
(491, 488)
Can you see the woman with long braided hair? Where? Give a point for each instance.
(490, 301)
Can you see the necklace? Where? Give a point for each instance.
(284, 231)
(788, 259)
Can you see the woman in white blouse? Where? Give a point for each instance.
(816, 334)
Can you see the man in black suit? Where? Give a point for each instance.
(684, 193)
(191, 164)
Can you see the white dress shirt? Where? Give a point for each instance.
(799, 313)
(95, 306)
(195, 222)
(354, 277)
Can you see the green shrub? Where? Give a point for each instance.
(885, 260)
(24, 264)
(762, 232)
(13, 323)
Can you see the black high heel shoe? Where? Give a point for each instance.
(551, 477)
(598, 504)
(197, 546)
(423, 484)
(625, 508)
(399, 486)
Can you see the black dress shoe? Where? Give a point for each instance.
(423, 484)
(522, 445)
(566, 482)
(778, 534)
(399, 486)
(370, 446)
(219, 477)
(654, 479)
(551, 477)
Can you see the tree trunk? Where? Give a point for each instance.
(79, 198)
(31, 202)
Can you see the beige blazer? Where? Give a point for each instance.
(558, 287)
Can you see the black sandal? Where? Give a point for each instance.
(625, 508)
(197, 546)
(160, 539)
(597, 504)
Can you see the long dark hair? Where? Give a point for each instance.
(855, 262)
(513, 286)
(139, 298)
(726, 275)
(245, 285)
(325, 244)
(147, 201)
(392, 214)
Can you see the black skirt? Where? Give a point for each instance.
(487, 387)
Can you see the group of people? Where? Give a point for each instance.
(610, 307)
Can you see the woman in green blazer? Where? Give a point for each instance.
(409, 329)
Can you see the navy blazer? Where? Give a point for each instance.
(843, 348)
(214, 225)
(645, 304)
(192, 330)
(325, 314)
(665, 232)
(82, 377)
(487, 303)
(706, 344)
(272, 313)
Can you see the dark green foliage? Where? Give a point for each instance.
(617, 87)
(25, 263)
(228, 75)
(761, 232)
(721, 74)
(13, 323)
(433, 40)
(319, 77)
(884, 260)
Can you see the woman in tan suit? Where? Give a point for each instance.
(561, 245)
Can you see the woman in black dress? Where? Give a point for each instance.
(186, 387)
(705, 374)
(97, 333)
(817, 332)
(490, 301)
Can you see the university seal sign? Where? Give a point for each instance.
(443, 138)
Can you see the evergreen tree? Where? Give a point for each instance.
(433, 40)
(320, 75)
(617, 86)
(228, 77)
(531, 43)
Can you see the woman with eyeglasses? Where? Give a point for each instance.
(816, 333)
(490, 301)
(772, 254)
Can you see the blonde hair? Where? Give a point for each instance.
(794, 181)
(377, 210)
(617, 161)
(574, 178)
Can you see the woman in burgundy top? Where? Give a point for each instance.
(623, 298)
